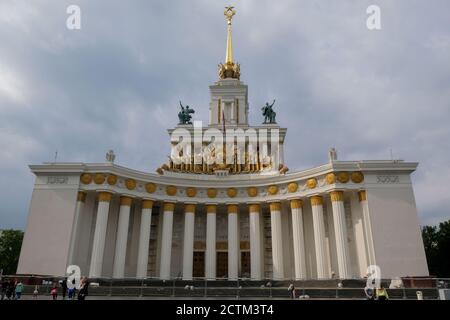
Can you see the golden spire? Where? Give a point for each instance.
(229, 13)
(230, 69)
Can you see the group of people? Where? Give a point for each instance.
(12, 289)
(379, 293)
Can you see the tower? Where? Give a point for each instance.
(229, 95)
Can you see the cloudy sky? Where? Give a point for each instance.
(116, 83)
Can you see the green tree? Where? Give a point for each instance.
(10, 244)
(436, 241)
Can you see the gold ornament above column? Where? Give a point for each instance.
(86, 178)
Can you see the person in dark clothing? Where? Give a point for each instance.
(64, 288)
(10, 292)
(83, 289)
(5, 285)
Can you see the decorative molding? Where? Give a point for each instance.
(337, 196)
(316, 201)
(169, 207)
(112, 179)
(211, 208)
(147, 204)
(330, 178)
(86, 178)
(254, 208)
(191, 192)
(292, 187)
(150, 187)
(362, 195)
(296, 204)
(130, 184)
(81, 196)
(232, 192)
(57, 180)
(357, 177)
(232, 208)
(388, 179)
(189, 208)
(343, 177)
(272, 190)
(311, 183)
(211, 192)
(104, 196)
(99, 178)
(252, 191)
(275, 206)
(171, 190)
(126, 201)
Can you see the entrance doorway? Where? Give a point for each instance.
(222, 264)
(199, 264)
(245, 264)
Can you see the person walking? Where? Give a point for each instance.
(83, 292)
(35, 292)
(5, 286)
(382, 293)
(19, 290)
(54, 292)
(370, 293)
(64, 288)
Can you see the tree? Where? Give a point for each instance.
(10, 245)
(436, 241)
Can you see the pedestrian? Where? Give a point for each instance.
(35, 292)
(5, 285)
(291, 290)
(370, 293)
(83, 292)
(11, 290)
(54, 291)
(18, 290)
(382, 293)
(64, 288)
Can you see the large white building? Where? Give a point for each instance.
(246, 217)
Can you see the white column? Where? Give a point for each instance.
(188, 243)
(340, 231)
(144, 238)
(367, 227)
(319, 237)
(122, 237)
(210, 255)
(81, 198)
(277, 242)
(255, 242)
(233, 242)
(98, 245)
(166, 245)
(299, 239)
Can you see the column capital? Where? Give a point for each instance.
(211, 208)
(337, 195)
(126, 201)
(362, 195)
(275, 206)
(104, 196)
(189, 208)
(147, 204)
(316, 200)
(254, 207)
(232, 208)
(296, 203)
(169, 206)
(81, 196)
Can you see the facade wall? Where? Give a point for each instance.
(46, 242)
(396, 233)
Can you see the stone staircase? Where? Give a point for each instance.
(242, 289)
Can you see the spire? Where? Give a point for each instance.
(230, 69)
(229, 13)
